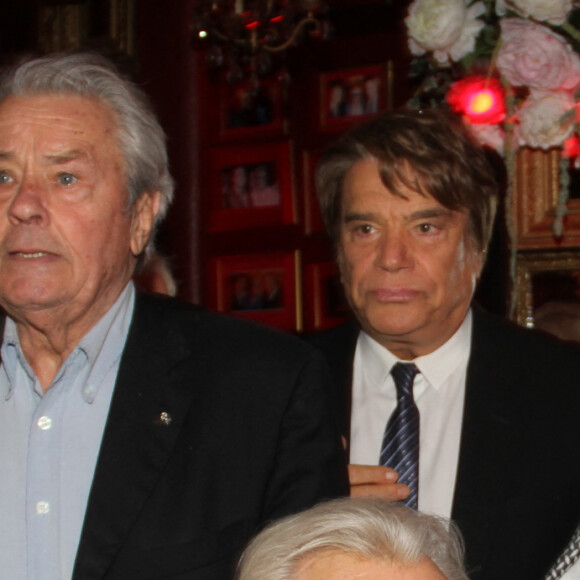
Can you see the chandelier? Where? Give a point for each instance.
(244, 36)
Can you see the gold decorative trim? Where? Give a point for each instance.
(529, 264)
(537, 186)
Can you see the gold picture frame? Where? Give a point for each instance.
(542, 277)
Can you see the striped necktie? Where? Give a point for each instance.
(567, 558)
(400, 449)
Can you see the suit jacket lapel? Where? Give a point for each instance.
(338, 346)
(145, 417)
(485, 460)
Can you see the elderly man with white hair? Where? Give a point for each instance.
(363, 538)
(142, 437)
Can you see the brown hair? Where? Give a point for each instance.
(445, 162)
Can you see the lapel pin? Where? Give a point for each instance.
(164, 418)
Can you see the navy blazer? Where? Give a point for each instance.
(216, 427)
(517, 494)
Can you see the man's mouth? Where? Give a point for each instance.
(30, 255)
(395, 294)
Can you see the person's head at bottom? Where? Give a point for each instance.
(362, 538)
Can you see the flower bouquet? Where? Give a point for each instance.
(510, 68)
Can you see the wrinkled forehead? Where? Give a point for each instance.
(57, 123)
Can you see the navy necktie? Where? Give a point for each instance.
(400, 449)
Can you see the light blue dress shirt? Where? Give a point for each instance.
(49, 443)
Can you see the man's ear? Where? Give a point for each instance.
(143, 220)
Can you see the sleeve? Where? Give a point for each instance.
(310, 462)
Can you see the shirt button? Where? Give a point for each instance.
(89, 393)
(44, 423)
(42, 507)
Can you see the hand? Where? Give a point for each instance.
(376, 480)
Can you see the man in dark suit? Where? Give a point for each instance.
(142, 438)
(490, 431)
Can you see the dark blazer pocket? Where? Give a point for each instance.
(213, 556)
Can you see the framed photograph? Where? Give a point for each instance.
(261, 287)
(355, 94)
(313, 222)
(252, 187)
(325, 305)
(547, 291)
(252, 109)
(536, 189)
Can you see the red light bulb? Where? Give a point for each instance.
(481, 102)
(479, 99)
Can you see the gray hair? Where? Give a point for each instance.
(370, 528)
(141, 138)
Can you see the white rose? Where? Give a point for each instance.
(448, 28)
(543, 122)
(552, 11)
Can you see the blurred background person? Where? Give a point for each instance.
(264, 189)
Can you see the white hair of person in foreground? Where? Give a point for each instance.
(377, 536)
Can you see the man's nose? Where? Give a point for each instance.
(394, 252)
(27, 205)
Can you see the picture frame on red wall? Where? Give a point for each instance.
(325, 305)
(252, 109)
(265, 288)
(252, 186)
(313, 222)
(355, 94)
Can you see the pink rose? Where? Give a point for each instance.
(532, 55)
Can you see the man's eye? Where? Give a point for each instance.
(5, 178)
(67, 179)
(365, 229)
(426, 228)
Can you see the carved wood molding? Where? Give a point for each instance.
(536, 189)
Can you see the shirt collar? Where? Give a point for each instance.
(436, 367)
(101, 346)
(104, 343)
(439, 365)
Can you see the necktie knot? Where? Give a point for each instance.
(404, 375)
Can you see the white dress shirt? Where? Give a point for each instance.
(439, 392)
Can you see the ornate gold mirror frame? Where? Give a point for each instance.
(532, 268)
